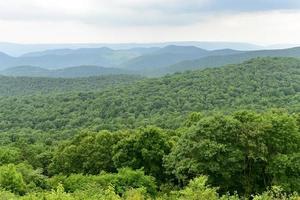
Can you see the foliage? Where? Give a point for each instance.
(197, 189)
(122, 181)
(9, 155)
(165, 102)
(212, 136)
(89, 153)
(16, 86)
(238, 152)
(144, 149)
(11, 179)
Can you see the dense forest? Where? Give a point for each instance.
(69, 72)
(226, 133)
(20, 86)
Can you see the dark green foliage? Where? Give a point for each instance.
(144, 149)
(9, 155)
(16, 86)
(89, 153)
(92, 153)
(239, 151)
(165, 102)
(213, 133)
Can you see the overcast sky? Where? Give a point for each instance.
(114, 21)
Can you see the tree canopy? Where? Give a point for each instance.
(226, 133)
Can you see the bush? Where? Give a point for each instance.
(11, 179)
(122, 181)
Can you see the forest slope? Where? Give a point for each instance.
(257, 84)
(16, 86)
(69, 72)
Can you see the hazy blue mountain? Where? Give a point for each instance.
(188, 50)
(219, 60)
(103, 50)
(14, 49)
(58, 52)
(4, 57)
(156, 62)
(145, 61)
(70, 72)
(86, 71)
(61, 58)
(212, 45)
(164, 57)
(135, 58)
(25, 71)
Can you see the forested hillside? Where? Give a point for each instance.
(69, 72)
(256, 84)
(225, 133)
(220, 60)
(10, 86)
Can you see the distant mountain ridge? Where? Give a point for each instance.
(70, 72)
(144, 61)
(14, 49)
(61, 58)
(219, 60)
(159, 60)
(132, 59)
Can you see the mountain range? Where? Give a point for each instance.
(147, 61)
(70, 72)
(61, 58)
(14, 49)
(219, 60)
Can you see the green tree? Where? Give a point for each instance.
(236, 151)
(88, 153)
(11, 179)
(9, 155)
(144, 149)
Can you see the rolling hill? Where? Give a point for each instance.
(29, 71)
(69, 72)
(20, 49)
(143, 61)
(146, 61)
(19, 86)
(62, 58)
(219, 60)
(257, 84)
(156, 62)
(5, 58)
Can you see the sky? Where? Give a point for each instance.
(263, 22)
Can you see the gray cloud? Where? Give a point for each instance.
(134, 12)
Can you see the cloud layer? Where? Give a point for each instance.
(146, 20)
